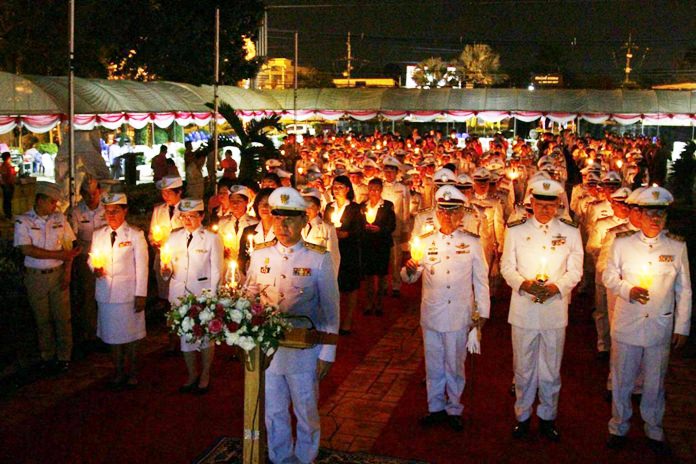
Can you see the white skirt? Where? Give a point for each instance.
(118, 323)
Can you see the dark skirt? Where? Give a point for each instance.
(349, 270)
(375, 255)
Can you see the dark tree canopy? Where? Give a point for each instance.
(173, 39)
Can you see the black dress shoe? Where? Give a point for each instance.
(616, 442)
(521, 429)
(659, 447)
(379, 312)
(455, 423)
(433, 418)
(608, 396)
(189, 387)
(603, 356)
(549, 430)
(343, 332)
(201, 390)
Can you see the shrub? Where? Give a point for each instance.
(50, 148)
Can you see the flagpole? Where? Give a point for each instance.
(212, 160)
(71, 103)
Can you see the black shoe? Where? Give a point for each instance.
(549, 430)
(396, 293)
(608, 396)
(189, 387)
(521, 429)
(343, 332)
(637, 397)
(201, 390)
(603, 356)
(616, 442)
(433, 418)
(455, 423)
(379, 312)
(659, 447)
(367, 311)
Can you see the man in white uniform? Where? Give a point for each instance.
(300, 278)
(400, 196)
(542, 262)
(455, 284)
(649, 271)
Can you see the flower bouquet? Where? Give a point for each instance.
(198, 316)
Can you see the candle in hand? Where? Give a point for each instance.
(98, 259)
(165, 255)
(336, 218)
(232, 274)
(251, 244)
(543, 273)
(228, 240)
(157, 234)
(370, 214)
(417, 251)
(645, 278)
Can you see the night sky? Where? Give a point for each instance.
(404, 32)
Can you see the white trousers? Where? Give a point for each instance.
(601, 318)
(537, 356)
(302, 391)
(445, 354)
(626, 363)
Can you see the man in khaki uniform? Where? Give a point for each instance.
(45, 237)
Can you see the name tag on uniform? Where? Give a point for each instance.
(200, 250)
(201, 279)
(124, 244)
(34, 228)
(301, 271)
(462, 252)
(666, 258)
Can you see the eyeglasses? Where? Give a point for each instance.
(656, 213)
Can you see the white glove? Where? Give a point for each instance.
(472, 344)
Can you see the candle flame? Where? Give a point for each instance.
(417, 251)
(370, 214)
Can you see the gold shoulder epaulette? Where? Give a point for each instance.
(627, 233)
(424, 210)
(315, 247)
(570, 222)
(177, 229)
(468, 209)
(468, 232)
(427, 234)
(267, 244)
(676, 237)
(517, 222)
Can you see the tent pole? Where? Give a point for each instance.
(393, 126)
(212, 157)
(71, 102)
(296, 39)
(514, 127)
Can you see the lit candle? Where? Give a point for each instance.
(336, 218)
(590, 161)
(513, 174)
(228, 240)
(417, 251)
(165, 255)
(619, 163)
(645, 278)
(300, 170)
(250, 247)
(232, 274)
(378, 146)
(98, 259)
(370, 214)
(428, 228)
(157, 234)
(215, 228)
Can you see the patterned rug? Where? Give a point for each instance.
(227, 450)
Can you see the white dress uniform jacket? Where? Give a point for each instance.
(160, 217)
(323, 233)
(84, 221)
(526, 243)
(196, 267)
(235, 227)
(665, 259)
(126, 264)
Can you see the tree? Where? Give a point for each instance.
(683, 173)
(479, 64)
(170, 39)
(253, 142)
(433, 73)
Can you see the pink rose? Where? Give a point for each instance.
(257, 309)
(215, 326)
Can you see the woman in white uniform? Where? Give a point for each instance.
(197, 264)
(119, 259)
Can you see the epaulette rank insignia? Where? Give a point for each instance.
(470, 233)
(314, 247)
(517, 222)
(265, 244)
(676, 237)
(570, 222)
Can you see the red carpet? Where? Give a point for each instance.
(157, 424)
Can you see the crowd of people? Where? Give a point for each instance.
(339, 213)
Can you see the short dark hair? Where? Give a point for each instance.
(6, 155)
(376, 181)
(344, 180)
(263, 193)
(271, 176)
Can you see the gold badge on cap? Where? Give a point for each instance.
(546, 185)
(186, 204)
(656, 194)
(284, 199)
(447, 196)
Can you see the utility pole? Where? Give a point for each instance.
(349, 58)
(630, 47)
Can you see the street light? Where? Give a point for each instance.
(530, 87)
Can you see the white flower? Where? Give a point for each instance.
(246, 343)
(243, 304)
(236, 316)
(270, 351)
(206, 315)
(226, 302)
(231, 338)
(183, 309)
(187, 324)
(202, 298)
